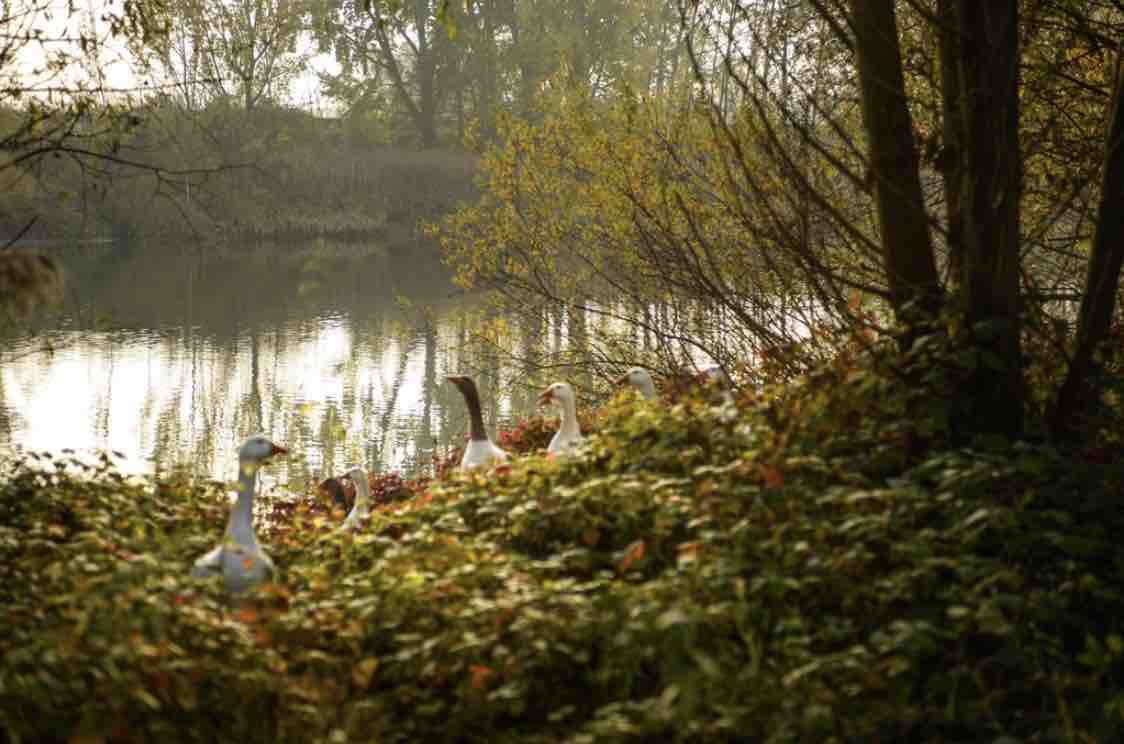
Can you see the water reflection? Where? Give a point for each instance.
(171, 358)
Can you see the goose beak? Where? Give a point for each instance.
(545, 397)
(622, 380)
(276, 449)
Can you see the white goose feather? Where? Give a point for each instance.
(239, 559)
(569, 434)
(480, 449)
(641, 380)
(361, 509)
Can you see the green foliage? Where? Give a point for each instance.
(641, 209)
(794, 571)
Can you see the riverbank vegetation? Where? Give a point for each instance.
(879, 217)
(791, 569)
(294, 119)
(225, 175)
(767, 232)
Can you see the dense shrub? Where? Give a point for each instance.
(794, 571)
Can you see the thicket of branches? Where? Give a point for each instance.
(919, 168)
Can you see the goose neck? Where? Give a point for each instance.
(362, 495)
(568, 422)
(242, 515)
(475, 416)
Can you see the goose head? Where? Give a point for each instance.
(259, 448)
(641, 379)
(255, 451)
(558, 393)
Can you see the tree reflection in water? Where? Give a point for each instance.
(172, 358)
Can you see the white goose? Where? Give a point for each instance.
(716, 376)
(239, 559)
(569, 434)
(641, 379)
(480, 450)
(361, 509)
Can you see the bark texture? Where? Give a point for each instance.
(1103, 278)
(989, 172)
(907, 249)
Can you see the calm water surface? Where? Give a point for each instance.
(171, 357)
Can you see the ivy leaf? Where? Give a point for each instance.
(479, 676)
(363, 672)
(632, 554)
(772, 476)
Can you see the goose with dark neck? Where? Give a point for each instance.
(569, 434)
(480, 450)
(239, 559)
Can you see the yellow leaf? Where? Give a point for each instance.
(186, 695)
(363, 672)
(689, 551)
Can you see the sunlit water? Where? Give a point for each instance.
(170, 358)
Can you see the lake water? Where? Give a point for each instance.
(171, 357)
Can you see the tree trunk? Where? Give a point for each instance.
(488, 75)
(529, 77)
(952, 115)
(579, 57)
(426, 72)
(423, 113)
(907, 251)
(987, 61)
(1103, 278)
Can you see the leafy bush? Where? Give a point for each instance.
(791, 572)
(535, 432)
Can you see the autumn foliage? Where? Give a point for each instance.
(799, 570)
